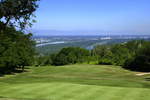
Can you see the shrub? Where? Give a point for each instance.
(71, 55)
(141, 61)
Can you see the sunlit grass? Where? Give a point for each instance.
(75, 82)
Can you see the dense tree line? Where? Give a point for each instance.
(140, 59)
(134, 55)
(69, 55)
(16, 48)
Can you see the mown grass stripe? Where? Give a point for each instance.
(108, 94)
(42, 92)
(23, 90)
(98, 92)
(144, 94)
(84, 92)
(75, 93)
(118, 94)
(63, 92)
(90, 94)
(67, 93)
(13, 88)
(135, 94)
(48, 92)
(31, 93)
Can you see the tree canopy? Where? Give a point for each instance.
(16, 48)
(17, 13)
(70, 55)
(133, 55)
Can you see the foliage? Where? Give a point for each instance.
(119, 54)
(16, 49)
(17, 13)
(70, 55)
(43, 60)
(104, 54)
(134, 55)
(141, 60)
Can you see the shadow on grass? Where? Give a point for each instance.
(2, 74)
(136, 69)
(147, 79)
(1, 97)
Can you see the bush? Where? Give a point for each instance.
(133, 55)
(71, 55)
(119, 54)
(141, 61)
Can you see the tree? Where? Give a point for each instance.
(25, 49)
(134, 46)
(100, 50)
(104, 54)
(17, 13)
(16, 49)
(141, 60)
(71, 55)
(119, 54)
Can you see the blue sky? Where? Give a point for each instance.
(92, 17)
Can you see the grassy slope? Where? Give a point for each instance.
(75, 82)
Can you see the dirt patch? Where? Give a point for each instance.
(141, 74)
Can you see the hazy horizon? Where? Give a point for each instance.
(79, 33)
(92, 17)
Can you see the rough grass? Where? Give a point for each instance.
(75, 82)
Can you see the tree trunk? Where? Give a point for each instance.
(22, 68)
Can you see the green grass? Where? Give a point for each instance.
(75, 82)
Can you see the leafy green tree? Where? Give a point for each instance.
(100, 50)
(16, 49)
(119, 54)
(17, 13)
(123, 54)
(43, 60)
(141, 60)
(134, 46)
(104, 54)
(26, 50)
(71, 55)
